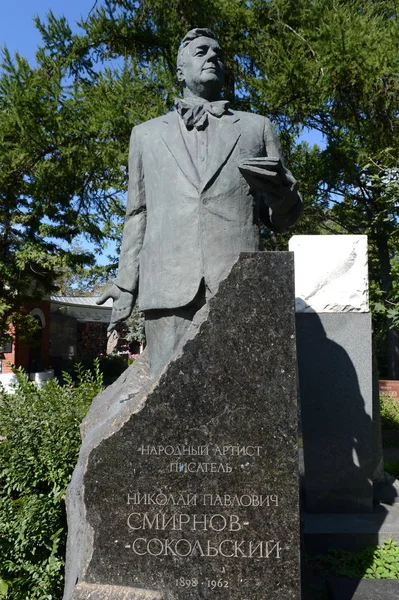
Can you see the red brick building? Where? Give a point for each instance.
(78, 328)
(33, 357)
(70, 329)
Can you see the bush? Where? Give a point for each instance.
(389, 407)
(39, 445)
(111, 366)
(392, 468)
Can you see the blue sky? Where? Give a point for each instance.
(17, 30)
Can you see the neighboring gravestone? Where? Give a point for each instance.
(189, 488)
(335, 371)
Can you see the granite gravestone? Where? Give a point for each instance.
(335, 372)
(187, 486)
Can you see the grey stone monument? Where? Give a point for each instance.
(335, 372)
(187, 487)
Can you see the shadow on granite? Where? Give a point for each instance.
(334, 367)
(340, 588)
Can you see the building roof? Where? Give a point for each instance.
(82, 308)
(81, 301)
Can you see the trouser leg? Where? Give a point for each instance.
(164, 329)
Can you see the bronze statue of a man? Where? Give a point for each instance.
(201, 179)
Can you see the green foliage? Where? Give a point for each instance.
(39, 189)
(135, 326)
(392, 468)
(376, 562)
(40, 441)
(80, 280)
(333, 66)
(3, 588)
(112, 365)
(389, 408)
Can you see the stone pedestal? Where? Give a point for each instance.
(341, 450)
(187, 486)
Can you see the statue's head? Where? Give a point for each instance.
(200, 65)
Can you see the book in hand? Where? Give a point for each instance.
(263, 170)
(268, 176)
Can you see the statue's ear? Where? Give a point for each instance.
(180, 76)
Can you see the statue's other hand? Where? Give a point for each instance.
(122, 307)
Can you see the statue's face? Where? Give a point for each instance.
(203, 68)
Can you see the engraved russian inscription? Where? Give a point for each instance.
(176, 524)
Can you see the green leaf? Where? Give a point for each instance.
(3, 588)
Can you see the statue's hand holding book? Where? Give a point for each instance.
(268, 176)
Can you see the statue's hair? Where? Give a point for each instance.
(193, 34)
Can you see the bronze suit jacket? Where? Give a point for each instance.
(180, 228)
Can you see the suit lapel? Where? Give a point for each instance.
(222, 143)
(224, 140)
(174, 142)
